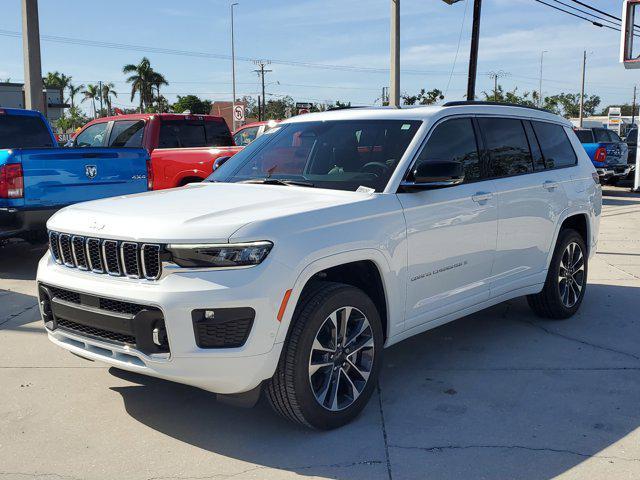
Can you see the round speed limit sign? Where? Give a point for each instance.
(238, 113)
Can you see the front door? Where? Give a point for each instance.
(451, 231)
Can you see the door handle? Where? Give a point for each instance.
(482, 197)
(549, 185)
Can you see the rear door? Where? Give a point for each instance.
(530, 196)
(92, 169)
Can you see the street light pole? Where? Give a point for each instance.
(233, 70)
(540, 88)
(584, 69)
(475, 44)
(394, 89)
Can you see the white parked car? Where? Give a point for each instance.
(330, 237)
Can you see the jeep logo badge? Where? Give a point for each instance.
(90, 171)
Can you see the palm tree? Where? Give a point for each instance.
(73, 91)
(56, 80)
(107, 92)
(143, 80)
(157, 80)
(91, 93)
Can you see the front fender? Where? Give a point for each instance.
(391, 285)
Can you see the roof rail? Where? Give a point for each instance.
(496, 104)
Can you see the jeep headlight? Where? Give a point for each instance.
(222, 255)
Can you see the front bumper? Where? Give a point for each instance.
(220, 370)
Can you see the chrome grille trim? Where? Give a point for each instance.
(79, 258)
(105, 256)
(147, 270)
(94, 268)
(54, 246)
(124, 256)
(107, 244)
(66, 252)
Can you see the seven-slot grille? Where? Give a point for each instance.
(113, 257)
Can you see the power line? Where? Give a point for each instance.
(191, 53)
(590, 14)
(597, 24)
(590, 7)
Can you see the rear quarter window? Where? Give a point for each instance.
(555, 145)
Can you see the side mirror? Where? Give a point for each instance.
(218, 162)
(435, 174)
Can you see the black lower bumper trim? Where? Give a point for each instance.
(86, 315)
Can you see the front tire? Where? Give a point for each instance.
(329, 365)
(566, 280)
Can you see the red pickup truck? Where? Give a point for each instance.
(182, 148)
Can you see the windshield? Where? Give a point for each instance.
(341, 155)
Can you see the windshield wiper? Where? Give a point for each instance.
(278, 181)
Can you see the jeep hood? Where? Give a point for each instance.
(204, 212)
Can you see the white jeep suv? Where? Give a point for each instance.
(330, 237)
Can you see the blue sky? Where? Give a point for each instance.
(333, 32)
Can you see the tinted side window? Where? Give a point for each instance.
(585, 136)
(23, 131)
(601, 135)
(556, 146)
(181, 134)
(218, 134)
(507, 146)
(126, 133)
(93, 136)
(614, 137)
(454, 140)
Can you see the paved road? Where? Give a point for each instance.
(496, 395)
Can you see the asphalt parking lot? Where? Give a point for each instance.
(497, 395)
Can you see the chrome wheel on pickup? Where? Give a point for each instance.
(566, 281)
(329, 365)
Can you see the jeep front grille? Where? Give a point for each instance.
(112, 257)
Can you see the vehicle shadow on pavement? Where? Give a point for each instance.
(19, 260)
(499, 394)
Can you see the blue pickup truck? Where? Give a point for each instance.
(37, 177)
(608, 152)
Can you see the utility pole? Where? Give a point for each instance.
(233, 70)
(633, 106)
(33, 95)
(540, 88)
(261, 71)
(475, 44)
(394, 89)
(101, 95)
(495, 76)
(584, 69)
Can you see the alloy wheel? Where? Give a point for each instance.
(571, 276)
(341, 358)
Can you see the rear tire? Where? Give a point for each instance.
(566, 281)
(330, 362)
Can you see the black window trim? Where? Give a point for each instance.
(107, 135)
(479, 147)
